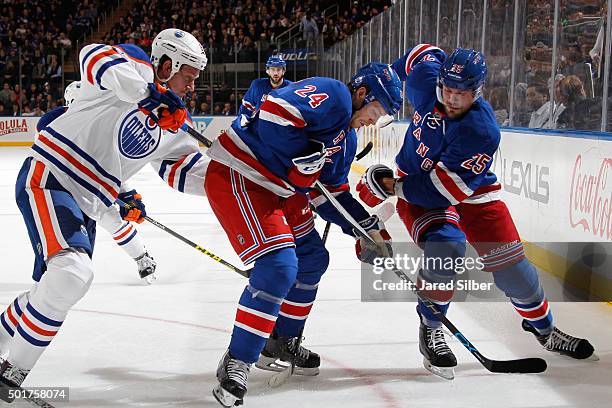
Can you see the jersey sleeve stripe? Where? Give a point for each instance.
(416, 53)
(173, 170)
(94, 49)
(147, 63)
(275, 113)
(106, 66)
(96, 58)
(247, 105)
(185, 171)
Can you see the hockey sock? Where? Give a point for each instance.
(521, 284)
(295, 309)
(429, 319)
(128, 239)
(272, 277)
(9, 319)
(313, 260)
(68, 277)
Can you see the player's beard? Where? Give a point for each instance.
(276, 83)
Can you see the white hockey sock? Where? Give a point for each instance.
(128, 239)
(68, 277)
(10, 317)
(123, 232)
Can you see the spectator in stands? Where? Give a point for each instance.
(573, 96)
(309, 28)
(541, 118)
(227, 109)
(192, 108)
(536, 97)
(204, 109)
(6, 95)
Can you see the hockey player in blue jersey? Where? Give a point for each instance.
(118, 222)
(261, 87)
(448, 195)
(256, 185)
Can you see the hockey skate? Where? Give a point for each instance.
(562, 343)
(10, 377)
(146, 268)
(279, 352)
(438, 358)
(232, 375)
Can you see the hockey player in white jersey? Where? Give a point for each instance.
(76, 170)
(117, 220)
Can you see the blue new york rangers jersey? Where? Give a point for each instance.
(255, 96)
(443, 161)
(312, 109)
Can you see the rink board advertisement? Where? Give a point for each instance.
(17, 131)
(557, 190)
(20, 131)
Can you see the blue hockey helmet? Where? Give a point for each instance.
(464, 69)
(276, 61)
(382, 83)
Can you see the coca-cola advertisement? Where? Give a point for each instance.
(590, 200)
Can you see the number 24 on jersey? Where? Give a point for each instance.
(314, 100)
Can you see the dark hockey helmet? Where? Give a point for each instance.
(463, 69)
(382, 83)
(276, 61)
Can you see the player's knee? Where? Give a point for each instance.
(68, 277)
(275, 272)
(519, 281)
(313, 257)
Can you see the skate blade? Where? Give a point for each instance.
(272, 364)
(225, 398)
(448, 373)
(149, 279)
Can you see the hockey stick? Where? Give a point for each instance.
(523, 365)
(205, 251)
(358, 157)
(281, 377)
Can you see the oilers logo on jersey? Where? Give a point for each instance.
(139, 136)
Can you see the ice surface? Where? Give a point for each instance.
(130, 345)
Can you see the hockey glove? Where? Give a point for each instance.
(136, 211)
(366, 251)
(172, 121)
(370, 187)
(160, 96)
(306, 169)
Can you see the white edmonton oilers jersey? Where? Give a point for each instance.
(103, 139)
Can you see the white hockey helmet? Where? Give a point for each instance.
(181, 47)
(71, 92)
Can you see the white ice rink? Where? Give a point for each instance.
(129, 345)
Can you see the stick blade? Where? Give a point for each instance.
(280, 378)
(522, 366)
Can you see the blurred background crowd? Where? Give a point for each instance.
(547, 65)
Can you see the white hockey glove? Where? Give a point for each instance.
(370, 187)
(306, 169)
(365, 250)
